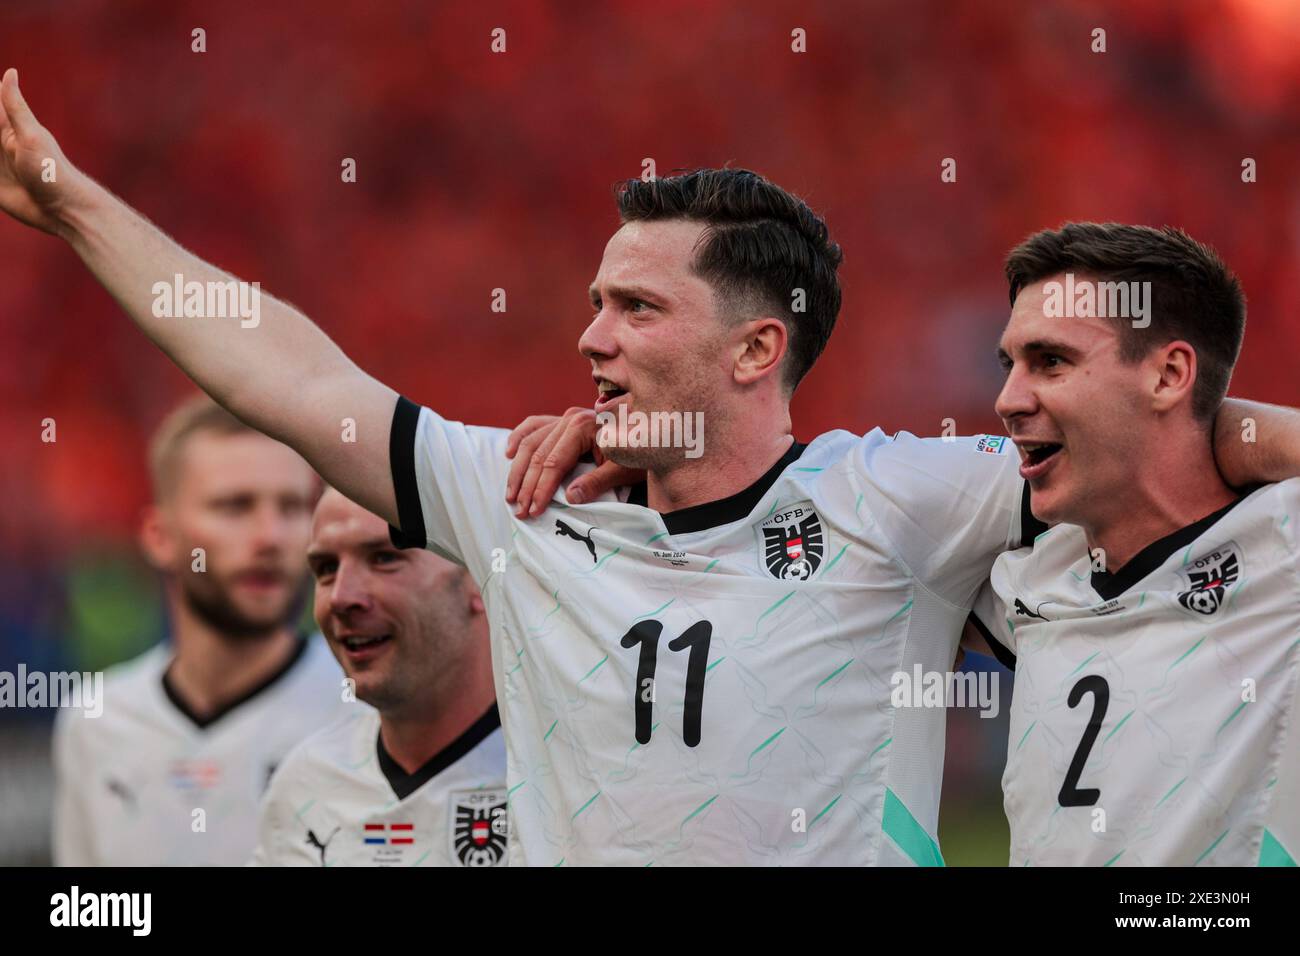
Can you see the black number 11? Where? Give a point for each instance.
(696, 637)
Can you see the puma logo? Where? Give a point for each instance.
(120, 790)
(314, 841)
(1021, 609)
(563, 529)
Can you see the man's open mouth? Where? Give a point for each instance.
(358, 642)
(1038, 452)
(607, 391)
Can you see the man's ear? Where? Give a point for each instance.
(157, 540)
(760, 350)
(1175, 367)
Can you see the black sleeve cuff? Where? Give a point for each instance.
(401, 457)
(1000, 650)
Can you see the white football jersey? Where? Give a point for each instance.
(713, 686)
(339, 799)
(1153, 718)
(146, 784)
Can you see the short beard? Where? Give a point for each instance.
(220, 613)
(418, 690)
(659, 460)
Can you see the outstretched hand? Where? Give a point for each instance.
(545, 448)
(36, 179)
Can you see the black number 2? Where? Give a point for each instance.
(696, 637)
(1071, 795)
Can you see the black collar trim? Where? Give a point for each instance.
(712, 514)
(1111, 586)
(404, 784)
(203, 722)
(1030, 527)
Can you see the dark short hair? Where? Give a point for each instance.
(761, 244)
(1194, 295)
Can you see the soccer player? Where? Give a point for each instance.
(1154, 627)
(417, 779)
(1126, 621)
(172, 772)
(696, 671)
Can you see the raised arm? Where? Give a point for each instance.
(271, 366)
(1256, 443)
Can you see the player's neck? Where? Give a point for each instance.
(1166, 494)
(412, 739)
(209, 670)
(733, 459)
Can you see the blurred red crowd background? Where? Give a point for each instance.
(478, 171)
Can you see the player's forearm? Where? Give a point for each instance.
(259, 357)
(1256, 443)
(247, 360)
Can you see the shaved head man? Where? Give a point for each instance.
(417, 777)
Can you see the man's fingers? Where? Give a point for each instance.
(16, 109)
(520, 460)
(600, 480)
(525, 428)
(536, 465)
(545, 449)
(571, 444)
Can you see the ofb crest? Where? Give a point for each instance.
(793, 542)
(479, 827)
(1208, 579)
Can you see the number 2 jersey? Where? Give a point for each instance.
(712, 686)
(1154, 714)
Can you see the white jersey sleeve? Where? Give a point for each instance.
(72, 845)
(948, 505)
(993, 620)
(450, 482)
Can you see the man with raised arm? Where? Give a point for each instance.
(693, 671)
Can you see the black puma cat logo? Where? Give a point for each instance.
(122, 792)
(311, 838)
(1021, 609)
(563, 529)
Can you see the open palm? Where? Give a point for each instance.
(35, 178)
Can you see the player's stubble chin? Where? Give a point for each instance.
(381, 685)
(213, 604)
(658, 460)
(423, 673)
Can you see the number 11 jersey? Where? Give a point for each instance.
(712, 686)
